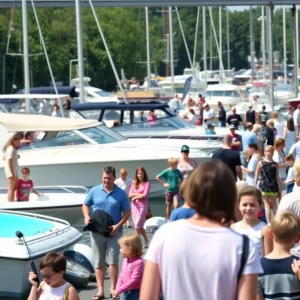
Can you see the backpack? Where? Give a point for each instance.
(244, 256)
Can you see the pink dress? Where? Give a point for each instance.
(139, 208)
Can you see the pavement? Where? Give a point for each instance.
(89, 291)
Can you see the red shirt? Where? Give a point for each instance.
(24, 188)
(236, 138)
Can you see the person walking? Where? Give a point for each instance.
(267, 172)
(263, 115)
(138, 195)
(236, 139)
(229, 157)
(113, 201)
(209, 250)
(234, 119)
(11, 167)
(296, 118)
(251, 168)
(186, 165)
(279, 125)
(221, 115)
(279, 157)
(250, 115)
(289, 135)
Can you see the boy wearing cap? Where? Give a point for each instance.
(171, 179)
(210, 129)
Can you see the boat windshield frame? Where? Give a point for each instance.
(84, 136)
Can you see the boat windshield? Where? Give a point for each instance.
(232, 93)
(160, 124)
(99, 134)
(104, 94)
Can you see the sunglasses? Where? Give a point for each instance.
(47, 276)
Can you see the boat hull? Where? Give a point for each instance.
(89, 174)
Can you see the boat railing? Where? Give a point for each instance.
(66, 188)
(208, 138)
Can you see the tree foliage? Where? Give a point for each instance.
(125, 34)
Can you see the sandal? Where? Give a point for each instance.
(116, 298)
(98, 297)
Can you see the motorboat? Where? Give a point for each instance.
(282, 93)
(168, 124)
(74, 151)
(42, 235)
(63, 202)
(33, 103)
(228, 94)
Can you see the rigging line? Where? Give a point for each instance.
(14, 76)
(10, 28)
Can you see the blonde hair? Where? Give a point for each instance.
(182, 187)
(123, 170)
(279, 142)
(256, 128)
(269, 148)
(285, 227)
(241, 185)
(270, 122)
(133, 242)
(16, 137)
(297, 170)
(275, 115)
(172, 161)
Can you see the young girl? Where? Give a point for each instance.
(280, 159)
(250, 201)
(52, 269)
(130, 279)
(138, 195)
(11, 165)
(268, 170)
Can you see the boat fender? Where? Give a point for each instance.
(152, 224)
(82, 255)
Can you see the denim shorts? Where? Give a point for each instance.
(131, 295)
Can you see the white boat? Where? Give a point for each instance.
(63, 202)
(92, 93)
(228, 94)
(197, 84)
(42, 235)
(74, 151)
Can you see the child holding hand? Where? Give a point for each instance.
(130, 278)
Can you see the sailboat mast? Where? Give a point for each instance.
(284, 43)
(196, 36)
(263, 41)
(251, 43)
(80, 51)
(171, 47)
(228, 43)
(148, 47)
(220, 42)
(204, 45)
(25, 54)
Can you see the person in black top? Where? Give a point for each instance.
(271, 134)
(234, 118)
(250, 115)
(263, 115)
(221, 115)
(229, 157)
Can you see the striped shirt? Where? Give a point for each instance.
(278, 281)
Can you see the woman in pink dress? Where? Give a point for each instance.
(138, 195)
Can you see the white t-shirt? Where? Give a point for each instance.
(295, 149)
(296, 117)
(11, 153)
(208, 114)
(280, 129)
(280, 160)
(203, 266)
(124, 185)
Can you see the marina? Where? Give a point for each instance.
(137, 136)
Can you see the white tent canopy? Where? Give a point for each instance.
(21, 123)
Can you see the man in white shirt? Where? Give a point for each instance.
(295, 150)
(175, 103)
(296, 118)
(291, 202)
(208, 113)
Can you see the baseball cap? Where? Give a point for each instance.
(205, 104)
(185, 148)
(231, 126)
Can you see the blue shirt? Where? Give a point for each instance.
(248, 137)
(114, 203)
(181, 213)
